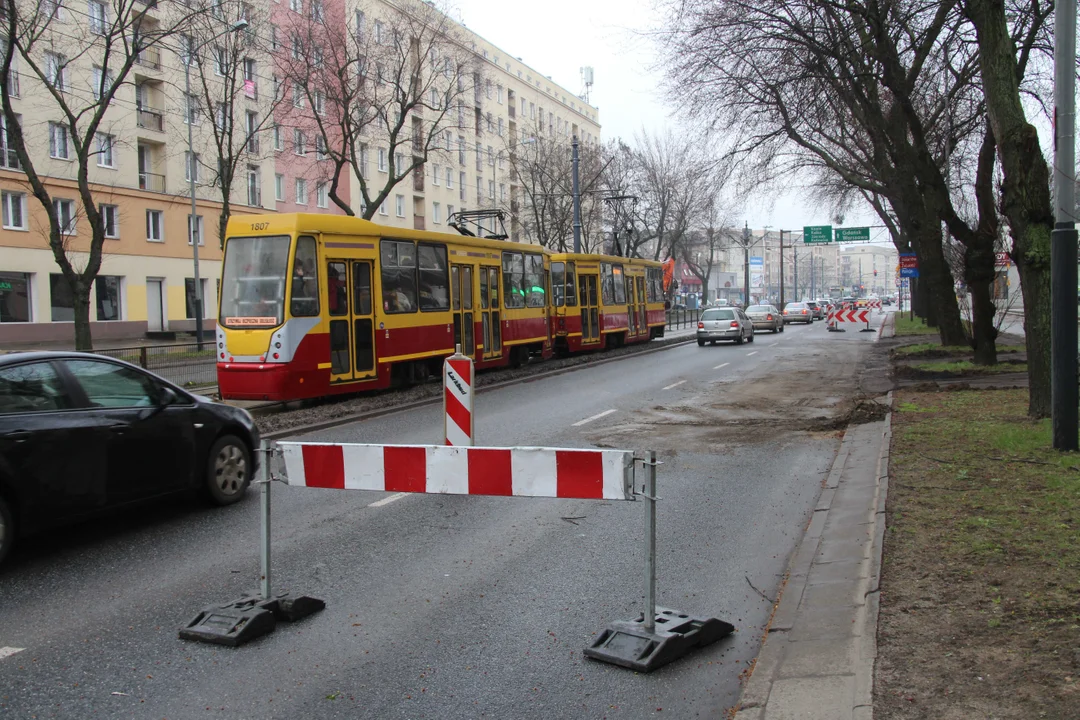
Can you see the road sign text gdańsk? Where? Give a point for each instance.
(858, 234)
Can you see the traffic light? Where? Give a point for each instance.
(875, 273)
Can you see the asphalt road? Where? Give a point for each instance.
(445, 606)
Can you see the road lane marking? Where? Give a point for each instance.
(721, 367)
(579, 423)
(674, 385)
(9, 651)
(388, 500)
(751, 353)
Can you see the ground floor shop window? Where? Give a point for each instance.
(62, 301)
(189, 297)
(14, 297)
(108, 297)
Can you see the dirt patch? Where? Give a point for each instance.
(980, 590)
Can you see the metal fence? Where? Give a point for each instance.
(678, 319)
(183, 364)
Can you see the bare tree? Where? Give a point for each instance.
(393, 87)
(42, 50)
(702, 248)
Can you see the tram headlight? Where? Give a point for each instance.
(278, 346)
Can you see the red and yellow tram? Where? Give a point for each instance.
(314, 305)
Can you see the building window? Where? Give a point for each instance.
(322, 195)
(198, 227)
(299, 142)
(14, 297)
(502, 192)
(320, 147)
(254, 186)
(382, 208)
(110, 217)
(297, 95)
(491, 189)
(101, 82)
(378, 32)
(461, 185)
(275, 44)
(399, 205)
(8, 157)
(221, 61)
(382, 160)
(461, 150)
(58, 141)
(61, 301)
(301, 191)
(501, 127)
(191, 166)
(189, 297)
(320, 102)
(14, 210)
(65, 214)
(106, 156)
(191, 109)
(435, 213)
(279, 187)
(296, 6)
(107, 290)
(56, 70)
(317, 10)
(155, 226)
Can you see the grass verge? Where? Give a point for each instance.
(966, 367)
(931, 350)
(904, 326)
(980, 591)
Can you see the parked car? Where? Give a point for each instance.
(724, 324)
(798, 312)
(816, 311)
(765, 317)
(81, 434)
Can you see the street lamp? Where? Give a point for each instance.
(192, 222)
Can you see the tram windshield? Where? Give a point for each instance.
(253, 282)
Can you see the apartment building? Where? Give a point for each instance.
(141, 166)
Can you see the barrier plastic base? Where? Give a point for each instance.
(628, 644)
(868, 330)
(836, 329)
(241, 621)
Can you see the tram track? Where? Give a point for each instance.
(289, 423)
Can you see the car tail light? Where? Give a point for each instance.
(804, 311)
(769, 317)
(701, 326)
(785, 312)
(734, 323)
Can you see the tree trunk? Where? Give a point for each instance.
(1025, 191)
(80, 293)
(936, 285)
(979, 276)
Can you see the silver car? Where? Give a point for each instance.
(724, 324)
(798, 312)
(765, 317)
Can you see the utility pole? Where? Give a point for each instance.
(1063, 380)
(577, 197)
(746, 265)
(795, 268)
(781, 270)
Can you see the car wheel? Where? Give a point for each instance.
(739, 340)
(228, 470)
(751, 338)
(700, 343)
(712, 342)
(7, 529)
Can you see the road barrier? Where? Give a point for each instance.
(846, 315)
(458, 399)
(874, 305)
(655, 638)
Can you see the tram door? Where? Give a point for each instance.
(461, 290)
(352, 323)
(631, 308)
(590, 310)
(491, 317)
(643, 308)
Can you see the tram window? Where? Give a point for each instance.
(514, 276)
(535, 293)
(483, 289)
(607, 284)
(305, 283)
(398, 276)
(466, 287)
(558, 284)
(618, 284)
(434, 280)
(337, 296)
(656, 284)
(571, 295)
(361, 273)
(493, 282)
(255, 273)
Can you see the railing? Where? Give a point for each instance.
(150, 119)
(151, 182)
(150, 57)
(183, 364)
(681, 317)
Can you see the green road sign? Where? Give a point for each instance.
(853, 234)
(817, 234)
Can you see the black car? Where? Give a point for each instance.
(82, 433)
(818, 312)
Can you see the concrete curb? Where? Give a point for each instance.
(817, 658)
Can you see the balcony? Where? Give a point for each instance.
(149, 58)
(513, 110)
(418, 179)
(254, 197)
(150, 119)
(151, 182)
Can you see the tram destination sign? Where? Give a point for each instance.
(857, 234)
(815, 234)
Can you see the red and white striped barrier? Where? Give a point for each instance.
(874, 304)
(520, 472)
(457, 400)
(862, 316)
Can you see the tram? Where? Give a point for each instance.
(314, 305)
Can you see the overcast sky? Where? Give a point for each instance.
(559, 37)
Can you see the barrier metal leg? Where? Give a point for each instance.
(251, 616)
(659, 635)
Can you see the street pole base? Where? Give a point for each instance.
(239, 622)
(628, 644)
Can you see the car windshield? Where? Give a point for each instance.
(718, 314)
(253, 282)
(795, 306)
(759, 309)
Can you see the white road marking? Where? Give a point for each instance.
(579, 423)
(9, 651)
(721, 367)
(674, 385)
(388, 500)
(751, 353)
